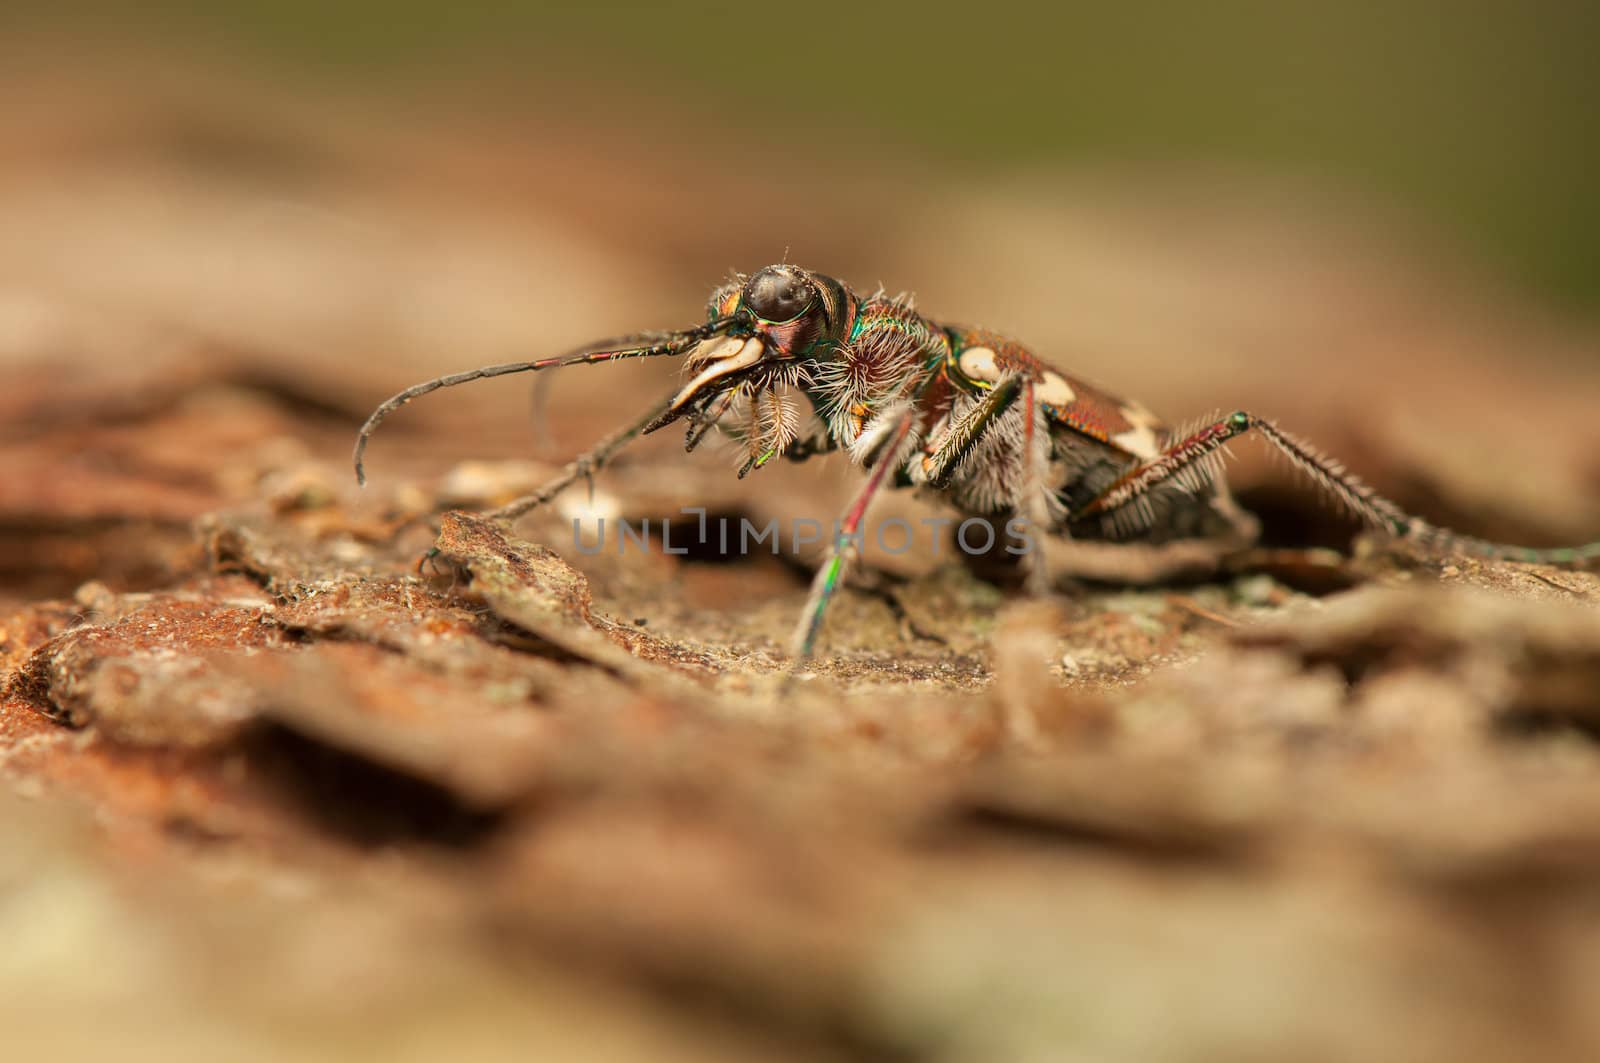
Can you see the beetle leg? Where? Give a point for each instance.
(1185, 462)
(942, 455)
(846, 543)
(1028, 494)
(1030, 501)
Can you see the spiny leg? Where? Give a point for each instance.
(711, 415)
(845, 544)
(1388, 517)
(1189, 463)
(1028, 498)
(1185, 463)
(957, 440)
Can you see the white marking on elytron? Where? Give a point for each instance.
(1140, 442)
(726, 356)
(1054, 390)
(1137, 414)
(1143, 439)
(977, 363)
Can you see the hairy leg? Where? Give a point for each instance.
(1029, 499)
(1190, 462)
(942, 454)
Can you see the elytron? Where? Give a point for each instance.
(793, 363)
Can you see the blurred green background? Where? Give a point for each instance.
(1475, 119)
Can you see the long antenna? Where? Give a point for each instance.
(643, 345)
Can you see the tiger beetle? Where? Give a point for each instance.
(964, 413)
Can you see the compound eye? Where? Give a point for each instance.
(777, 295)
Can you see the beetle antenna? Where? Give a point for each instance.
(640, 345)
